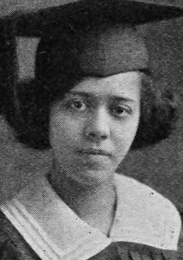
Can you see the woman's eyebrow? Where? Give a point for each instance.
(80, 93)
(111, 97)
(122, 98)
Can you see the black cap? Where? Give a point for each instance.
(127, 11)
(93, 37)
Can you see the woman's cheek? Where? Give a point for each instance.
(123, 137)
(66, 130)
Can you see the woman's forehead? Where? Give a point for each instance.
(120, 85)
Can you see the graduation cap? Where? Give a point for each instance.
(95, 38)
(38, 23)
(136, 12)
(84, 13)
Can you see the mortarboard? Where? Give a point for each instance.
(94, 35)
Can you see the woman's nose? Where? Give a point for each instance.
(97, 126)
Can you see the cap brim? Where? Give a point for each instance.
(135, 12)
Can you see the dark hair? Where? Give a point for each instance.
(30, 118)
(159, 113)
(57, 71)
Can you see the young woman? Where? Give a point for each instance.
(91, 101)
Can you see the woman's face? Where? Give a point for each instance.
(93, 127)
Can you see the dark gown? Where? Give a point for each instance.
(13, 245)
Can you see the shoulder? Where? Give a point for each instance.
(5, 233)
(140, 251)
(12, 245)
(6, 244)
(154, 209)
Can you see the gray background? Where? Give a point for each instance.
(161, 166)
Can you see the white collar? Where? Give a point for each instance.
(54, 231)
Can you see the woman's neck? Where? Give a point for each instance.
(93, 204)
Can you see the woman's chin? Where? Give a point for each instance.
(92, 177)
(90, 172)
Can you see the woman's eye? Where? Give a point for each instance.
(121, 111)
(77, 104)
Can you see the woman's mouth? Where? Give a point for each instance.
(94, 151)
(97, 159)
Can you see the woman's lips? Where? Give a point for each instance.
(94, 151)
(98, 159)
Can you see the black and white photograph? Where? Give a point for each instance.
(91, 130)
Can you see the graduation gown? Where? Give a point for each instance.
(37, 224)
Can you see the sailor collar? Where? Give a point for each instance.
(54, 231)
